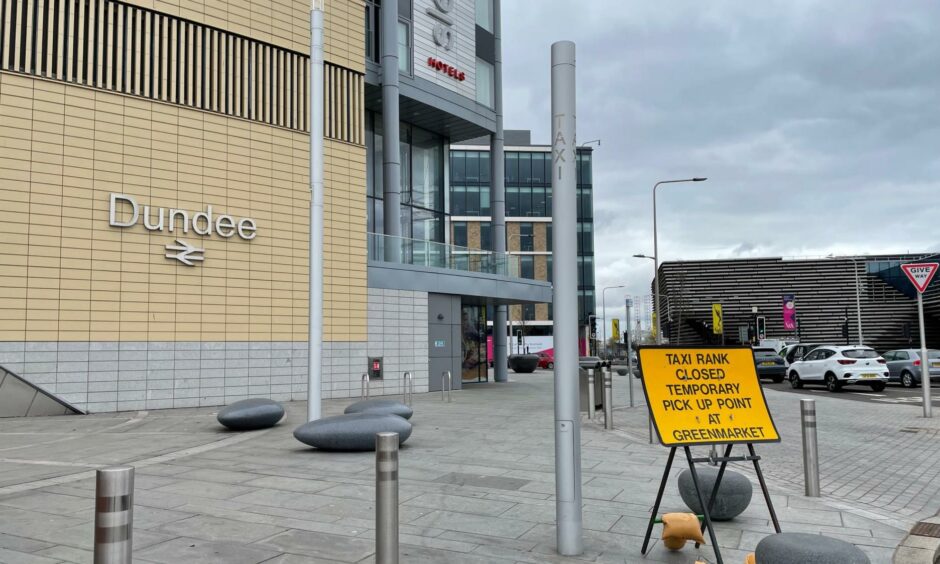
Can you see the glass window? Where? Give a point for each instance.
(404, 47)
(473, 166)
(427, 170)
(404, 9)
(860, 353)
(473, 200)
(538, 202)
(484, 79)
(586, 274)
(427, 225)
(458, 167)
(460, 233)
(512, 201)
(528, 312)
(526, 237)
(485, 14)
(484, 200)
(485, 167)
(404, 150)
(584, 168)
(585, 209)
(525, 168)
(548, 267)
(585, 238)
(486, 236)
(539, 161)
(527, 266)
(458, 200)
(525, 201)
(512, 168)
(548, 237)
(902, 355)
(378, 182)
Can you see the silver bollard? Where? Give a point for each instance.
(386, 498)
(408, 388)
(810, 452)
(630, 380)
(449, 380)
(114, 515)
(608, 399)
(364, 387)
(591, 395)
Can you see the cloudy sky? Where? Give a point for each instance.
(816, 123)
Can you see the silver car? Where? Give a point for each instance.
(905, 366)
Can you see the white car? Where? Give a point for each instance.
(837, 366)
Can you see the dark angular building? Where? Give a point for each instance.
(823, 291)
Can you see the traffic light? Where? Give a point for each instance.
(845, 330)
(761, 328)
(593, 327)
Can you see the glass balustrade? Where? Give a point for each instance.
(401, 250)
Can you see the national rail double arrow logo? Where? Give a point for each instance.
(186, 252)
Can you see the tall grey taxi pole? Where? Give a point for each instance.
(810, 452)
(386, 498)
(569, 535)
(114, 515)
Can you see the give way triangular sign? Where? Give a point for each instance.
(920, 274)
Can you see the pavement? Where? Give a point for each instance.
(893, 394)
(477, 484)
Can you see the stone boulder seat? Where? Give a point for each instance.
(733, 496)
(351, 432)
(251, 414)
(381, 407)
(806, 548)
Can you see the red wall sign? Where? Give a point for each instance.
(446, 69)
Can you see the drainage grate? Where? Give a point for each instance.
(925, 529)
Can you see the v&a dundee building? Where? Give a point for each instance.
(154, 164)
(810, 300)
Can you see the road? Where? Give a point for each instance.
(893, 394)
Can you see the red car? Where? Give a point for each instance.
(546, 361)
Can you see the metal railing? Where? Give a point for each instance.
(417, 252)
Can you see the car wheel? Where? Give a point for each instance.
(778, 379)
(907, 379)
(551, 365)
(832, 384)
(878, 386)
(795, 381)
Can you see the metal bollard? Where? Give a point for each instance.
(810, 452)
(608, 400)
(114, 515)
(591, 395)
(630, 380)
(446, 377)
(364, 387)
(386, 498)
(408, 388)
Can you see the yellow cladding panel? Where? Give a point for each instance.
(67, 274)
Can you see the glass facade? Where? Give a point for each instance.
(423, 212)
(528, 195)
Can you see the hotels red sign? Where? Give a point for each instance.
(443, 67)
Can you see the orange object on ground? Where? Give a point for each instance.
(679, 528)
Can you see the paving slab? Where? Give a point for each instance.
(477, 486)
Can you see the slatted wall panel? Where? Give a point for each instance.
(135, 51)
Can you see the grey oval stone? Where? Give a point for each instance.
(381, 407)
(251, 414)
(733, 497)
(351, 432)
(800, 548)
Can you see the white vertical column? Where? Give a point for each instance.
(565, 298)
(315, 306)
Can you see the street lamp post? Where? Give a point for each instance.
(858, 302)
(604, 305)
(659, 315)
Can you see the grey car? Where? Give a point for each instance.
(769, 364)
(905, 366)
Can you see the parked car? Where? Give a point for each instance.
(797, 351)
(837, 366)
(904, 366)
(770, 364)
(546, 360)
